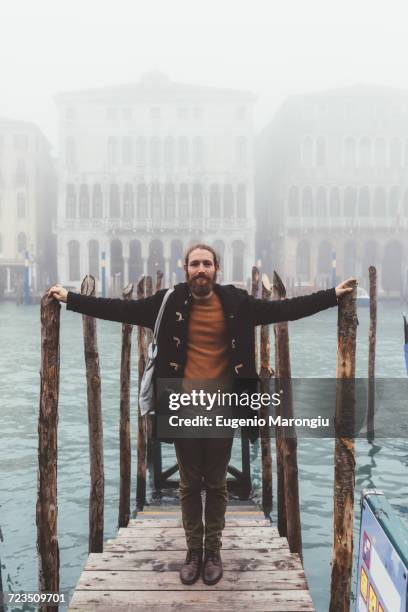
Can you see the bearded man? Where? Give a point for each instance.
(207, 332)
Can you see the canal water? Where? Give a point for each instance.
(313, 351)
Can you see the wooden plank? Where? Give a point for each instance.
(169, 522)
(170, 581)
(164, 543)
(169, 532)
(172, 560)
(218, 601)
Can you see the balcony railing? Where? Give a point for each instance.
(150, 224)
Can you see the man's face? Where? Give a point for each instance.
(201, 272)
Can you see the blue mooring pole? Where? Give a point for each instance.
(334, 270)
(26, 295)
(103, 273)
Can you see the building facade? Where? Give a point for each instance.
(338, 189)
(27, 208)
(148, 169)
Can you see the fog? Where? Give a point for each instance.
(271, 48)
(328, 127)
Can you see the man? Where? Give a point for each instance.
(207, 332)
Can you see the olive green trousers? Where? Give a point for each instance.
(202, 463)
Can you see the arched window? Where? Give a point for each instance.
(176, 259)
(183, 151)
(321, 155)
(112, 151)
(241, 151)
(126, 151)
(21, 243)
(155, 261)
(114, 201)
(141, 211)
(215, 202)
(406, 203)
(293, 202)
(135, 261)
(198, 151)
(97, 202)
(307, 202)
(84, 202)
(155, 202)
(93, 252)
(394, 201)
(116, 262)
(350, 258)
(324, 258)
(350, 153)
(241, 201)
(140, 152)
(168, 152)
(219, 248)
(70, 201)
(74, 261)
(307, 152)
(70, 154)
(155, 152)
(184, 212)
(380, 153)
(238, 249)
(21, 205)
(303, 261)
(228, 202)
(395, 153)
(169, 201)
(350, 201)
(335, 208)
(321, 202)
(197, 201)
(128, 203)
(379, 202)
(365, 152)
(364, 202)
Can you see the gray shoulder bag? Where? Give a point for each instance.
(146, 393)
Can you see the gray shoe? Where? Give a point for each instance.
(190, 571)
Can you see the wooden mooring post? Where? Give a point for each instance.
(286, 440)
(124, 427)
(141, 421)
(46, 508)
(344, 457)
(95, 425)
(372, 339)
(266, 373)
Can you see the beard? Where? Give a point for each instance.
(201, 285)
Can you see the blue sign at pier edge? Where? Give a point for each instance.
(382, 557)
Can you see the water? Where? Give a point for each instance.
(313, 352)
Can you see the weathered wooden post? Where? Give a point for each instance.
(288, 437)
(46, 508)
(266, 374)
(141, 422)
(254, 293)
(154, 454)
(344, 458)
(372, 338)
(124, 428)
(95, 425)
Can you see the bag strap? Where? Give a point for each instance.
(160, 315)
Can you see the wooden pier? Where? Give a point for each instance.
(139, 569)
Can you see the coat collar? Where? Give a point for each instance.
(231, 297)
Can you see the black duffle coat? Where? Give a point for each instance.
(242, 314)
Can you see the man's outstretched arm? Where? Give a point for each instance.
(275, 311)
(138, 312)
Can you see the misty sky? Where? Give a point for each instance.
(271, 48)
